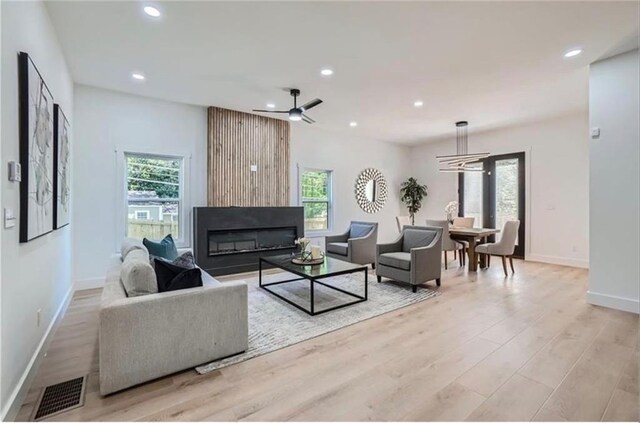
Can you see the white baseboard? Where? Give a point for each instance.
(611, 301)
(12, 407)
(88, 284)
(563, 261)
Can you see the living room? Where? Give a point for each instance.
(179, 120)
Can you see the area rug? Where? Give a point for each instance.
(274, 324)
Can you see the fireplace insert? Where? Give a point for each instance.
(233, 241)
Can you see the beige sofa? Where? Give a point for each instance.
(149, 336)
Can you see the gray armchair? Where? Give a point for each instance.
(415, 257)
(356, 245)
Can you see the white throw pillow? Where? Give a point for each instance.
(137, 275)
(129, 245)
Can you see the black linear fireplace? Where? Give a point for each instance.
(230, 239)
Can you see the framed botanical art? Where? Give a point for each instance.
(61, 168)
(36, 151)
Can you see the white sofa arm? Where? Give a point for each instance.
(150, 336)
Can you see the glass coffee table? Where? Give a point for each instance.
(330, 268)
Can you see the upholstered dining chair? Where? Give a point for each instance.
(356, 245)
(464, 222)
(402, 221)
(448, 244)
(503, 248)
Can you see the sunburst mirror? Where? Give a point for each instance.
(371, 190)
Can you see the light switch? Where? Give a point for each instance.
(9, 219)
(595, 133)
(254, 168)
(15, 172)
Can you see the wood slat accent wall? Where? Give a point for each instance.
(237, 140)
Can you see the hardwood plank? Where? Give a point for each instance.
(622, 408)
(510, 403)
(414, 386)
(453, 403)
(553, 362)
(585, 392)
(496, 369)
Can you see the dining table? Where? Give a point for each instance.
(473, 236)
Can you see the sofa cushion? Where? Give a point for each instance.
(165, 248)
(416, 238)
(341, 248)
(137, 275)
(399, 260)
(359, 230)
(185, 260)
(172, 278)
(130, 244)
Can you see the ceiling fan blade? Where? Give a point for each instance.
(270, 111)
(308, 119)
(312, 103)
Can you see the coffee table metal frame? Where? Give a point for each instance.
(312, 281)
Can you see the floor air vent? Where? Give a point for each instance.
(61, 397)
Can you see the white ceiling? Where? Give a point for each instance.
(494, 64)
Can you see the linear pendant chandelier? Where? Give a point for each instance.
(458, 162)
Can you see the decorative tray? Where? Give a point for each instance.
(298, 260)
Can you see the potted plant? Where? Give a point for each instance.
(411, 194)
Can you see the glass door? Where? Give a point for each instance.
(501, 190)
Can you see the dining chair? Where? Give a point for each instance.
(448, 244)
(402, 221)
(503, 248)
(464, 222)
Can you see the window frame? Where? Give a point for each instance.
(184, 218)
(329, 202)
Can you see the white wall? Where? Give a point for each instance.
(108, 123)
(615, 183)
(35, 275)
(347, 156)
(557, 187)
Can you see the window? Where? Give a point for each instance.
(154, 196)
(142, 215)
(315, 195)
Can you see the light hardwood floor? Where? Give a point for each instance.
(523, 347)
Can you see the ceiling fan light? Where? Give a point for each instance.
(295, 115)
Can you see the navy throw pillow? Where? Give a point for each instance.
(165, 249)
(172, 278)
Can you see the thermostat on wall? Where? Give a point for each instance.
(15, 172)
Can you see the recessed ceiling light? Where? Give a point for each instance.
(152, 11)
(326, 72)
(353, 124)
(418, 103)
(138, 76)
(271, 106)
(573, 53)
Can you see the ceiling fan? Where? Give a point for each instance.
(297, 113)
